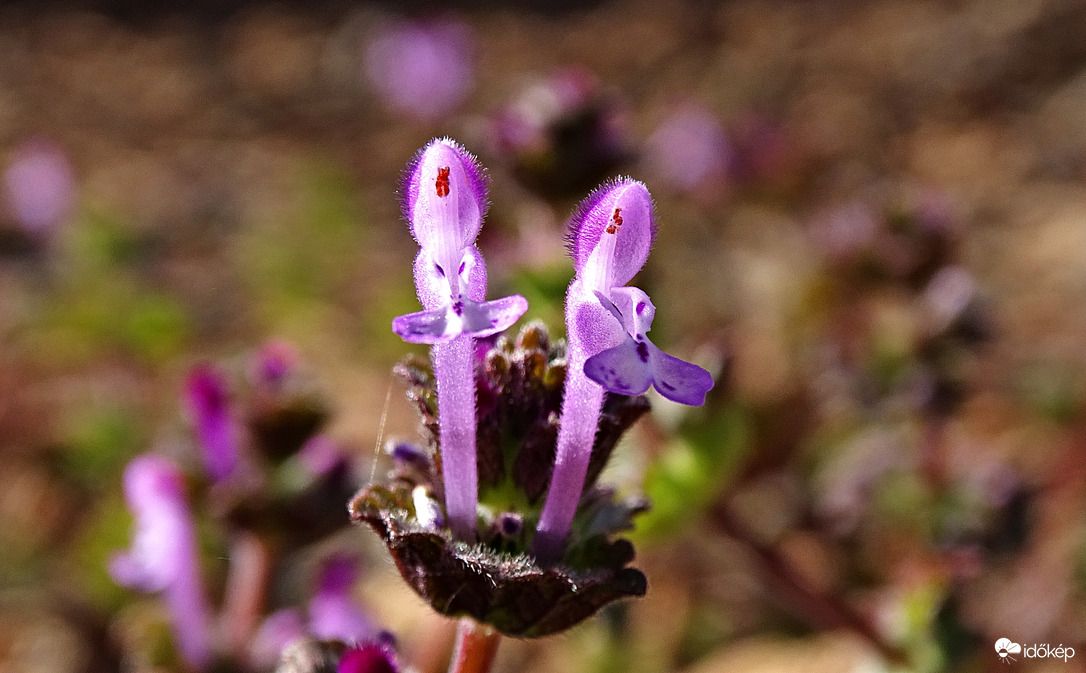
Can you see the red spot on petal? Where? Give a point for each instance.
(616, 221)
(442, 182)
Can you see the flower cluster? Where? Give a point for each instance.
(562, 133)
(271, 486)
(520, 429)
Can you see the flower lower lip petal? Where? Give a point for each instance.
(425, 327)
(620, 369)
(487, 318)
(678, 380)
(443, 324)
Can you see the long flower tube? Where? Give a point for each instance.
(445, 199)
(610, 235)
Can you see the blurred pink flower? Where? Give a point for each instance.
(39, 186)
(163, 556)
(369, 658)
(280, 628)
(846, 233)
(208, 400)
(764, 150)
(689, 150)
(333, 612)
(421, 68)
(562, 133)
(273, 363)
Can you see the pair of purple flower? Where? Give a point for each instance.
(610, 234)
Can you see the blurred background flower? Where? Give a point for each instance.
(689, 152)
(422, 68)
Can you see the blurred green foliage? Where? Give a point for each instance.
(693, 470)
(98, 441)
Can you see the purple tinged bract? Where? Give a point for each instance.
(207, 400)
(163, 556)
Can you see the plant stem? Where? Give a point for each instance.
(246, 589)
(454, 369)
(826, 610)
(476, 645)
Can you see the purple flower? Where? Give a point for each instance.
(522, 126)
(444, 203)
(635, 364)
(40, 186)
(610, 235)
(408, 455)
(320, 455)
(561, 133)
(163, 556)
(279, 629)
(333, 613)
(421, 68)
(207, 400)
(369, 658)
(690, 151)
(274, 361)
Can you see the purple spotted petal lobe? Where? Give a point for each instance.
(677, 380)
(623, 369)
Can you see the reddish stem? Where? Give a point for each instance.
(476, 645)
(795, 591)
(246, 589)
